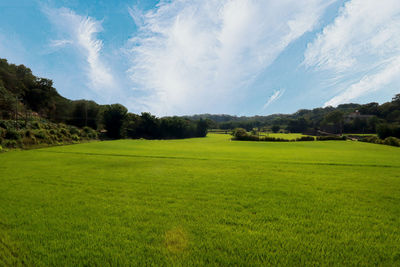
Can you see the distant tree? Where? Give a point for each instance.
(149, 126)
(297, 126)
(239, 133)
(131, 125)
(85, 113)
(201, 128)
(7, 102)
(387, 130)
(369, 109)
(113, 118)
(275, 128)
(372, 123)
(396, 98)
(336, 117)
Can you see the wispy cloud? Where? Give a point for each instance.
(364, 42)
(60, 43)
(81, 32)
(196, 56)
(275, 96)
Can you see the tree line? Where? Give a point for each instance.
(383, 119)
(23, 95)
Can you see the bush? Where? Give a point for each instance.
(240, 134)
(3, 125)
(74, 131)
(28, 133)
(386, 130)
(12, 135)
(1, 148)
(275, 128)
(29, 141)
(75, 137)
(63, 131)
(274, 139)
(392, 141)
(305, 138)
(41, 134)
(371, 139)
(11, 144)
(331, 137)
(35, 125)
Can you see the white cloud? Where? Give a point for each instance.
(196, 56)
(275, 96)
(60, 43)
(364, 42)
(81, 32)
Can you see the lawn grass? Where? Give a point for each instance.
(287, 136)
(203, 201)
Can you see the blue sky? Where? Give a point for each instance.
(177, 57)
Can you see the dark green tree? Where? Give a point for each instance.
(113, 118)
(275, 128)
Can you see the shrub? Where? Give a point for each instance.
(371, 139)
(28, 133)
(275, 128)
(75, 137)
(29, 141)
(274, 139)
(392, 141)
(331, 137)
(239, 134)
(41, 134)
(63, 131)
(52, 132)
(12, 135)
(35, 125)
(305, 138)
(11, 144)
(3, 125)
(386, 130)
(1, 148)
(74, 131)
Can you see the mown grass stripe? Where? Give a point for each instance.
(223, 159)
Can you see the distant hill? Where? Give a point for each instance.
(351, 117)
(24, 94)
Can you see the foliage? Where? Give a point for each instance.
(113, 118)
(42, 133)
(239, 134)
(327, 119)
(387, 130)
(275, 128)
(392, 141)
(305, 138)
(12, 135)
(331, 137)
(150, 127)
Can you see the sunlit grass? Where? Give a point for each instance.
(288, 136)
(204, 201)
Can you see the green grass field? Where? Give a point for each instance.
(205, 201)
